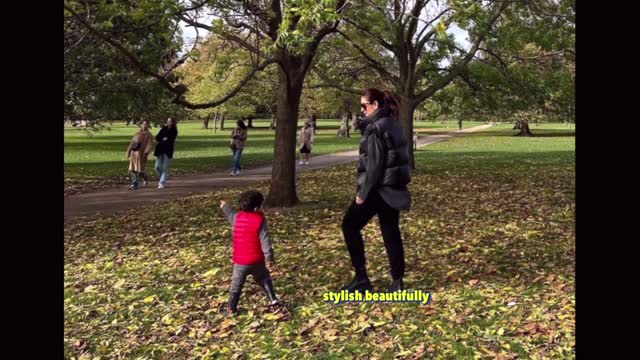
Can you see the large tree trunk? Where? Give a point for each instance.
(344, 124)
(354, 118)
(407, 109)
(523, 125)
(282, 191)
(250, 121)
(205, 122)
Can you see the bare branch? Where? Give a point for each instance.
(466, 79)
(184, 58)
(328, 82)
(548, 54)
(374, 64)
(502, 62)
(226, 35)
(377, 37)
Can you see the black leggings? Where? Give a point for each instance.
(356, 219)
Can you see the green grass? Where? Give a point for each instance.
(497, 147)
(426, 126)
(492, 224)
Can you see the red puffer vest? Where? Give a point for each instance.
(246, 238)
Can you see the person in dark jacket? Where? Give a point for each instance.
(313, 120)
(164, 150)
(238, 139)
(382, 177)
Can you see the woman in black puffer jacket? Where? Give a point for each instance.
(383, 175)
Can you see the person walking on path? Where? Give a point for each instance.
(238, 139)
(138, 152)
(164, 150)
(306, 143)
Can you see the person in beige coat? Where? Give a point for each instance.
(138, 151)
(305, 143)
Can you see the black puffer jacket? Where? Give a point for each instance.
(166, 146)
(384, 155)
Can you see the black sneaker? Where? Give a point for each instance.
(397, 285)
(358, 283)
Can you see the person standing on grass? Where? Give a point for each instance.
(382, 177)
(252, 250)
(164, 150)
(238, 138)
(306, 143)
(138, 152)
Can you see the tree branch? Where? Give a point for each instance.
(177, 90)
(458, 67)
(330, 83)
(374, 64)
(225, 35)
(182, 101)
(184, 58)
(428, 35)
(466, 79)
(275, 19)
(413, 20)
(378, 38)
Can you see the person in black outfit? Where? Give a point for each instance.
(382, 178)
(164, 150)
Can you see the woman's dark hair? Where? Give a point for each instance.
(249, 200)
(386, 100)
(241, 125)
(145, 120)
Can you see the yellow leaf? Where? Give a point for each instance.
(118, 284)
(272, 317)
(211, 272)
(167, 319)
(331, 335)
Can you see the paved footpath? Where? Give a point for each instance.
(82, 206)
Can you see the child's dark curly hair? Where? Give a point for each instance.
(249, 200)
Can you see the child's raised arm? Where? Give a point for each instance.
(228, 212)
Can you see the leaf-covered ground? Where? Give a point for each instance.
(491, 234)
